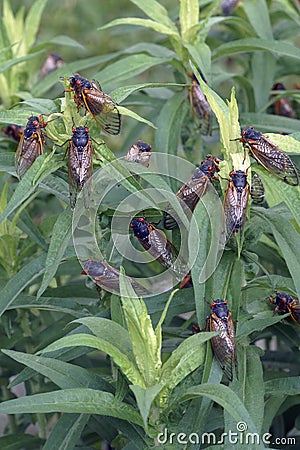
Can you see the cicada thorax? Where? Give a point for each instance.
(158, 246)
(223, 345)
(193, 190)
(236, 201)
(31, 144)
(228, 6)
(257, 190)
(139, 153)
(14, 131)
(200, 107)
(101, 106)
(286, 303)
(270, 156)
(282, 106)
(107, 277)
(80, 164)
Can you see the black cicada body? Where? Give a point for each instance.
(223, 345)
(193, 190)
(14, 131)
(100, 105)
(52, 62)
(158, 246)
(236, 201)
(282, 106)
(31, 144)
(80, 164)
(285, 303)
(228, 6)
(270, 156)
(107, 277)
(200, 107)
(257, 190)
(139, 153)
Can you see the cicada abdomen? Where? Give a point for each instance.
(257, 190)
(193, 190)
(285, 303)
(31, 144)
(200, 107)
(282, 106)
(270, 156)
(158, 246)
(100, 105)
(80, 164)
(236, 201)
(223, 345)
(107, 277)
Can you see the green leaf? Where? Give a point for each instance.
(201, 55)
(123, 92)
(260, 22)
(20, 281)
(155, 11)
(128, 67)
(283, 386)
(66, 432)
(60, 239)
(280, 48)
(127, 112)
(269, 122)
(88, 401)
(170, 121)
(263, 68)
(65, 41)
(144, 399)
(144, 342)
(32, 23)
(188, 16)
(16, 441)
(156, 26)
(14, 61)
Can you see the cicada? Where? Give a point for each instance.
(223, 345)
(285, 303)
(139, 153)
(14, 131)
(200, 107)
(31, 144)
(236, 201)
(193, 190)
(80, 164)
(158, 246)
(257, 190)
(52, 62)
(228, 6)
(270, 156)
(100, 105)
(108, 277)
(282, 106)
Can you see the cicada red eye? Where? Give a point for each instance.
(101, 106)
(236, 202)
(286, 303)
(270, 156)
(223, 345)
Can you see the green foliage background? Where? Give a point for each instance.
(122, 369)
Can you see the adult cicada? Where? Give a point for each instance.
(282, 106)
(31, 144)
(257, 190)
(223, 345)
(101, 106)
(139, 153)
(193, 190)
(228, 6)
(52, 62)
(285, 303)
(158, 246)
(236, 201)
(80, 164)
(270, 156)
(14, 131)
(108, 277)
(200, 107)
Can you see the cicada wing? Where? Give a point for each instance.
(27, 152)
(274, 160)
(103, 109)
(223, 345)
(201, 109)
(295, 311)
(235, 208)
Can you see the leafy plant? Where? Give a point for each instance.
(119, 368)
